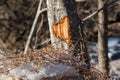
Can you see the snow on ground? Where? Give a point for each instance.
(51, 70)
(30, 72)
(5, 77)
(113, 54)
(115, 69)
(113, 41)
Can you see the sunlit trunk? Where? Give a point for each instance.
(102, 38)
(66, 27)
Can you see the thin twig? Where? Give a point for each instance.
(44, 42)
(96, 12)
(80, 0)
(33, 26)
(41, 11)
(38, 30)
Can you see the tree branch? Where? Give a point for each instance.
(38, 30)
(96, 12)
(33, 26)
(80, 0)
(44, 42)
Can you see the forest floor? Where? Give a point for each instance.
(28, 70)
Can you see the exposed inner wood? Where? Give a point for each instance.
(62, 30)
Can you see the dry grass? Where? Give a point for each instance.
(55, 56)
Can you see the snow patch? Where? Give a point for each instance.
(48, 70)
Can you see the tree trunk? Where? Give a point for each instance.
(57, 10)
(102, 38)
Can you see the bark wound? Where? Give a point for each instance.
(66, 29)
(62, 30)
(56, 11)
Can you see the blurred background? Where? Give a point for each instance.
(16, 19)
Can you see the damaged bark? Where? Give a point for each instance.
(57, 10)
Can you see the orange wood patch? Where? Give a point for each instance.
(62, 30)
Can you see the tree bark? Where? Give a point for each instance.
(103, 38)
(57, 9)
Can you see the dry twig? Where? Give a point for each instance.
(33, 26)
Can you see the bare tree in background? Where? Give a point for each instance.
(102, 38)
(58, 10)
